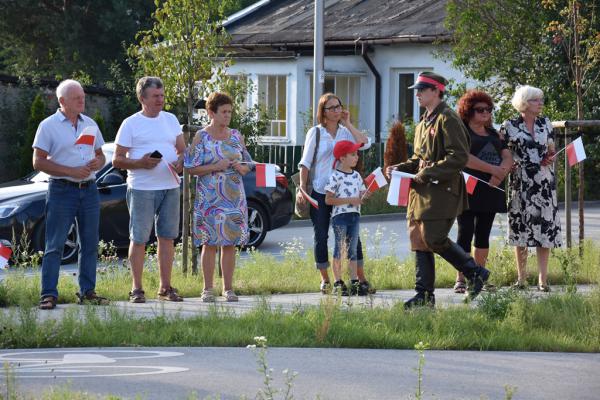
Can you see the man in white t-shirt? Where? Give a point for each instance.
(150, 147)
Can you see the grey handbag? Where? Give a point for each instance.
(303, 210)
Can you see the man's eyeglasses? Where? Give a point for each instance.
(538, 100)
(333, 108)
(481, 110)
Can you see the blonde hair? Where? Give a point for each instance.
(523, 94)
(321, 107)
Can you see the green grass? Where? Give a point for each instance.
(263, 274)
(501, 321)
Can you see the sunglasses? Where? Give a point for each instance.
(333, 108)
(481, 110)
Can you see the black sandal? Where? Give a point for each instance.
(47, 303)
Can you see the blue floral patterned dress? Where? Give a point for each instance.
(220, 210)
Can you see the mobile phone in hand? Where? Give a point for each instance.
(156, 154)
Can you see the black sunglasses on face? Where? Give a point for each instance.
(333, 108)
(481, 110)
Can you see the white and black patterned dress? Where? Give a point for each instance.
(532, 206)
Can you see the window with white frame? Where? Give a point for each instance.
(347, 88)
(407, 106)
(272, 95)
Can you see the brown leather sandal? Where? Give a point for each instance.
(137, 296)
(169, 294)
(47, 303)
(91, 298)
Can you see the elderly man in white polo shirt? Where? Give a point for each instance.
(150, 146)
(68, 147)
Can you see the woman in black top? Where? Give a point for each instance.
(489, 161)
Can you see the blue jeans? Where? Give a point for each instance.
(320, 219)
(346, 228)
(64, 203)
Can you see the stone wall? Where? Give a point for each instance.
(15, 105)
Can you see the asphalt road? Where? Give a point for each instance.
(175, 373)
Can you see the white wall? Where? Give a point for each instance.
(389, 60)
(406, 58)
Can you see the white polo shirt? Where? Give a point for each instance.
(144, 135)
(56, 135)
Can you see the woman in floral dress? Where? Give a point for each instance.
(532, 207)
(219, 159)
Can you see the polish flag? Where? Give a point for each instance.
(5, 253)
(575, 152)
(88, 136)
(470, 182)
(375, 180)
(311, 200)
(265, 175)
(173, 172)
(399, 189)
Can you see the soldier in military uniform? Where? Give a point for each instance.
(438, 194)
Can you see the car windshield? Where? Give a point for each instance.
(43, 177)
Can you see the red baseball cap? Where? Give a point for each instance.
(344, 147)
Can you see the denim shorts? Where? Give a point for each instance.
(160, 207)
(346, 228)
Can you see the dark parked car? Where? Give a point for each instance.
(22, 208)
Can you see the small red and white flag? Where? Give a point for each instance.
(173, 172)
(399, 189)
(575, 152)
(5, 253)
(311, 200)
(88, 136)
(265, 175)
(375, 180)
(470, 182)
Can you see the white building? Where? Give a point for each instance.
(374, 50)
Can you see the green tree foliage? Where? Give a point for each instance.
(507, 43)
(99, 119)
(182, 48)
(81, 39)
(37, 114)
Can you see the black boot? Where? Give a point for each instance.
(463, 262)
(424, 282)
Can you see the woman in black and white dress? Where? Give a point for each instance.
(532, 207)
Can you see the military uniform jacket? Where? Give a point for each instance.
(441, 151)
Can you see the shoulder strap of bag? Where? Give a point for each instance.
(314, 158)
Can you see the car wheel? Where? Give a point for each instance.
(257, 225)
(71, 244)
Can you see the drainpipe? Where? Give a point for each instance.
(363, 53)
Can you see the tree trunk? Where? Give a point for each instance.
(185, 225)
(579, 92)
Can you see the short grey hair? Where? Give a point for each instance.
(523, 95)
(145, 83)
(63, 88)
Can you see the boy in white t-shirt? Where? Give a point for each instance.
(344, 192)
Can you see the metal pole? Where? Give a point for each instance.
(318, 68)
(567, 191)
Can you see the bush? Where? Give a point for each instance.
(37, 114)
